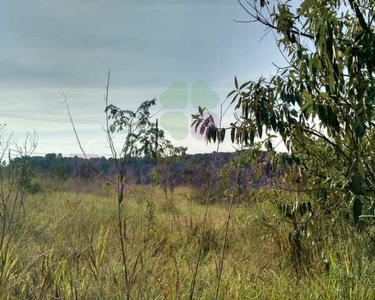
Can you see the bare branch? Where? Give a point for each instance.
(259, 17)
(80, 144)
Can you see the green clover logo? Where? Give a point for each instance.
(176, 99)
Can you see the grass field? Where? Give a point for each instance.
(68, 248)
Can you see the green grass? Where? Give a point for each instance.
(68, 248)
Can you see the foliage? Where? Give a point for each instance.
(167, 169)
(253, 171)
(145, 139)
(60, 168)
(140, 132)
(321, 103)
(185, 170)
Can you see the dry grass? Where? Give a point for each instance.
(68, 248)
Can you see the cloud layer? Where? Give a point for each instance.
(50, 47)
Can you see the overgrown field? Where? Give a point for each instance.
(68, 247)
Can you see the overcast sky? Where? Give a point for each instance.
(54, 47)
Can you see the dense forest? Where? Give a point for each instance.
(187, 170)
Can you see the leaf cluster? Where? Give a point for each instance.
(321, 103)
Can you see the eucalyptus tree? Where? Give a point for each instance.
(321, 103)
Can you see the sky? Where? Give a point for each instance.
(184, 53)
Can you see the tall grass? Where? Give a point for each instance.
(68, 248)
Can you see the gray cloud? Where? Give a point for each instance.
(49, 47)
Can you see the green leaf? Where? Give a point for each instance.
(269, 145)
(222, 135)
(294, 113)
(231, 93)
(244, 84)
(232, 134)
(200, 109)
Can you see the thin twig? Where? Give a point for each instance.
(80, 144)
(201, 243)
(225, 239)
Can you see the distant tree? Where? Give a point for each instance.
(60, 168)
(250, 165)
(49, 160)
(165, 172)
